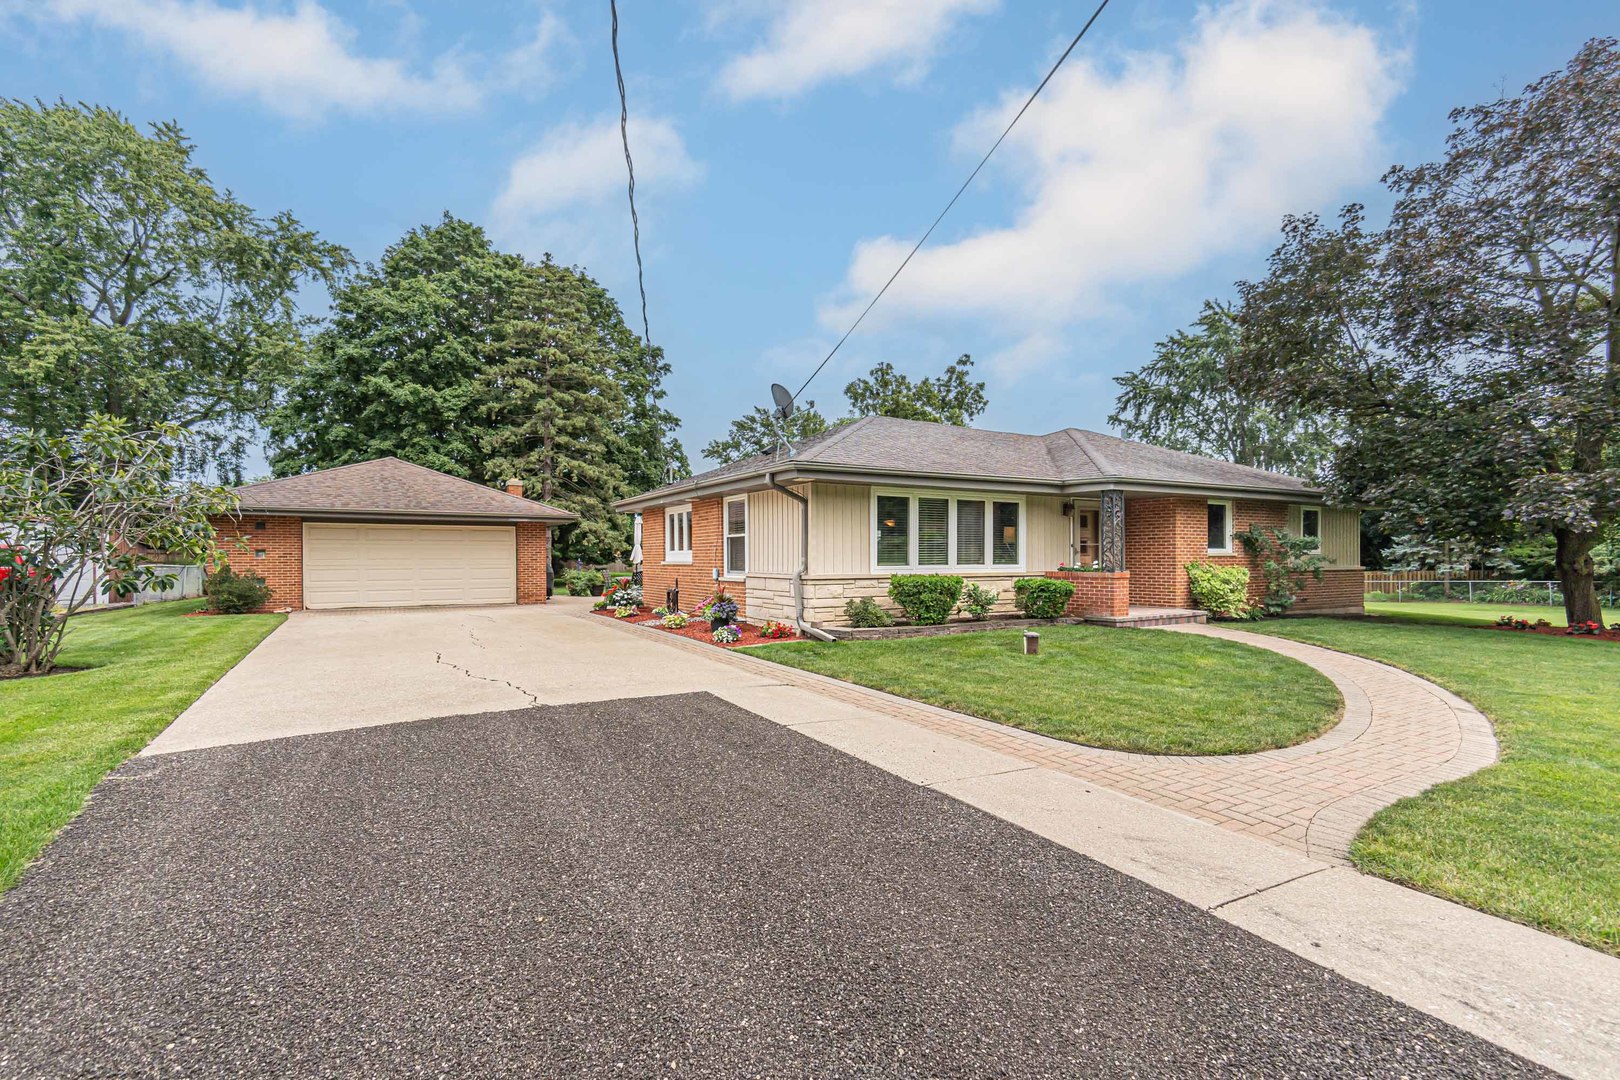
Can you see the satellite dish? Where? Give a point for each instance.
(783, 399)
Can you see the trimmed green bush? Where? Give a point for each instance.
(866, 612)
(1042, 597)
(977, 601)
(230, 593)
(1223, 591)
(577, 582)
(926, 599)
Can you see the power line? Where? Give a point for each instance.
(918, 246)
(630, 167)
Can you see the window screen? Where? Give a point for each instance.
(1004, 534)
(1219, 540)
(737, 536)
(933, 532)
(969, 532)
(893, 530)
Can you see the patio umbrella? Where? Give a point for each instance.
(635, 550)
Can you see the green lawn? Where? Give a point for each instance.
(60, 734)
(1471, 614)
(1536, 837)
(1139, 690)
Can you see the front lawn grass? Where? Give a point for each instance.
(1536, 837)
(60, 734)
(1141, 690)
(1460, 611)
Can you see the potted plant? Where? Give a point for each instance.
(722, 611)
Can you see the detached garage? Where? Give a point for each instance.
(387, 533)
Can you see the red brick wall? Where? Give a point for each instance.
(708, 555)
(533, 553)
(1164, 534)
(281, 540)
(1097, 593)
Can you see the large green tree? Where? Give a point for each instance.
(1184, 399)
(759, 432)
(1473, 345)
(132, 287)
(454, 355)
(951, 397)
(552, 401)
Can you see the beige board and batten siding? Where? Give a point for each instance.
(773, 533)
(1341, 535)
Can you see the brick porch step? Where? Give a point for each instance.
(1152, 616)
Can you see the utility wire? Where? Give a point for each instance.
(918, 246)
(630, 167)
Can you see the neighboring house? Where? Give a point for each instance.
(387, 533)
(881, 496)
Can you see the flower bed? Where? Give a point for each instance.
(697, 629)
(1541, 626)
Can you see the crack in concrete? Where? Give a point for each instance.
(438, 658)
(1268, 888)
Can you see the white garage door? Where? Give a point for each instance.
(408, 565)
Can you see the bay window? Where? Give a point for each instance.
(937, 531)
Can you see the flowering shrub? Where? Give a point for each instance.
(722, 609)
(1510, 622)
(774, 629)
(624, 596)
(675, 620)
(1588, 627)
(725, 635)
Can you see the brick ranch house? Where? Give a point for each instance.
(387, 533)
(832, 518)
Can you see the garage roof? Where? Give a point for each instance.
(389, 487)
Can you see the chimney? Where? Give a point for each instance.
(514, 486)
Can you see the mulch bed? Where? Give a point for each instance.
(1610, 634)
(697, 629)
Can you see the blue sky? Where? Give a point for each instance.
(789, 151)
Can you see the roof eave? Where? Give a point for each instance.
(328, 513)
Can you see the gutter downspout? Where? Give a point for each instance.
(804, 561)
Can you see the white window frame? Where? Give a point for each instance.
(950, 566)
(726, 536)
(1227, 550)
(678, 529)
(1321, 523)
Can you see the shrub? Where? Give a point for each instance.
(1223, 591)
(866, 612)
(1042, 597)
(230, 593)
(725, 635)
(722, 609)
(578, 582)
(1285, 561)
(977, 601)
(625, 595)
(926, 599)
(675, 620)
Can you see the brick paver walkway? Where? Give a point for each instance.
(1400, 734)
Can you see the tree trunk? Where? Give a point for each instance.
(1578, 576)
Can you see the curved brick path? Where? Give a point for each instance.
(1400, 734)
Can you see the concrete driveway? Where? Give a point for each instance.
(327, 671)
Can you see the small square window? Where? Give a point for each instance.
(261, 525)
(258, 553)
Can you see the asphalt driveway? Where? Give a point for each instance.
(670, 887)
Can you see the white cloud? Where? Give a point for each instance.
(300, 61)
(1146, 173)
(809, 42)
(582, 165)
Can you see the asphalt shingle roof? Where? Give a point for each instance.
(1074, 455)
(391, 486)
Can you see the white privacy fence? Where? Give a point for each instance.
(183, 583)
(1475, 590)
